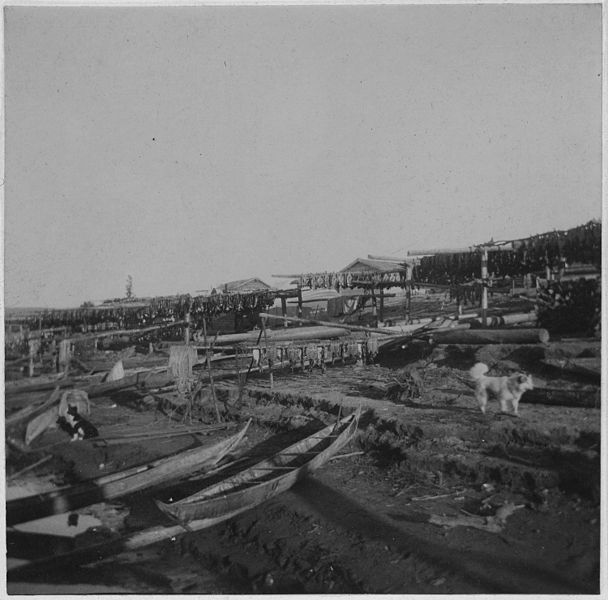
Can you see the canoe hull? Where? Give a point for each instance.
(119, 484)
(251, 488)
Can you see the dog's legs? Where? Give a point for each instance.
(515, 404)
(503, 404)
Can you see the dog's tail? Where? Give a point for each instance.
(478, 370)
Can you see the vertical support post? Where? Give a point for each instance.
(237, 360)
(374, 307)
(300, 310)
(381, 306)
(211, 383)
(267, 353)
(547, 268)
(284, 309)
(30, 346)
(408, 292)
(484, 289)
(187, 331)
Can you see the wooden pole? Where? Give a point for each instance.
(484, 289)
(187, 330)
(300, 310)
(284, 309)
(211, 383)
(374, 307)
(237, 360)
(381, 307)
(408, 292)
(267, 353)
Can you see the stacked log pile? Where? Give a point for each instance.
(570, 306)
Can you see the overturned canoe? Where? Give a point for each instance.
(114, 485)
(264, 480)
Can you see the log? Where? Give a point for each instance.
(516, 318)
(151, 378)
(37, 387)
(501, 321)
(564, 396)
(410, 328)
(492, 336)
(329, 331)
(132, 362)
(589, 367)
(328, 324)
(155, 377)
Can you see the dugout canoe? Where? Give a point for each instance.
(118, 484)
(263, 481)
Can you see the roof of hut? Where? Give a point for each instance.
(253, 284)
(369, 264)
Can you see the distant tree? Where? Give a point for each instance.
(87, 304)
(129, 288)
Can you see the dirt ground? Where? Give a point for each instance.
(404, 509)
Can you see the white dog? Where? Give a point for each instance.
(506, 389)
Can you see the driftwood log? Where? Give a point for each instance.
(492, 336)
(384, 331)
(305, 333)
(564, 396)
(501, 321)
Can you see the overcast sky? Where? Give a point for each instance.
(192, 146)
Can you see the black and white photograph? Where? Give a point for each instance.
(303, 298)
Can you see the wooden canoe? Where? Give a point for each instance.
(110, 548)
(264, 480)
(114, 485)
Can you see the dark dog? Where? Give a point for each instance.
(76, 426)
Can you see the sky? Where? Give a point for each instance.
(190, 146)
